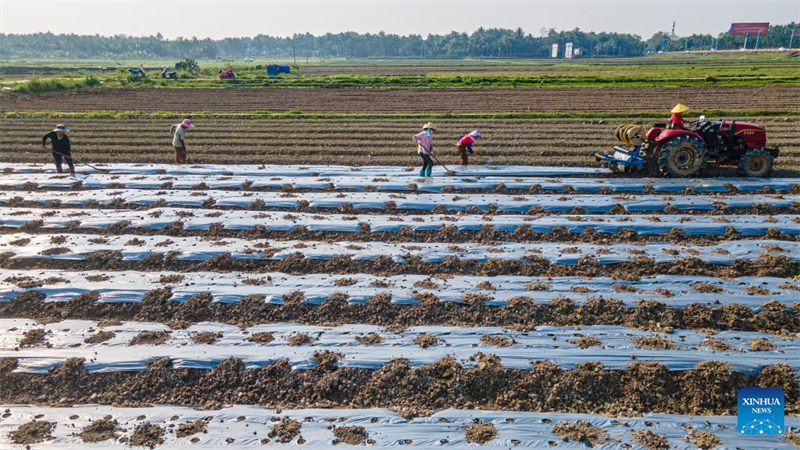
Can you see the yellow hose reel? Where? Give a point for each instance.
(629, 134)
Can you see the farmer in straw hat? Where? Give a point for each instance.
(61, 148)
(178, 132)
(424, 141)
(676, 120)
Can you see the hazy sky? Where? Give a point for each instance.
(216, 19)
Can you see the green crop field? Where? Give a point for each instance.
(689, 69)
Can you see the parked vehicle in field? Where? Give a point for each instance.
(684, 152)
(169, 75)
(227, 74)
(277, 69)
(137, 72)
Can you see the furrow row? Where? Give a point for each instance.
(244, 426)
(395, 183)
(373, 202)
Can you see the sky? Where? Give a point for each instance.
(239, 18)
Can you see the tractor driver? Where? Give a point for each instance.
(676, 120)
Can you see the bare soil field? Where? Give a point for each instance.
(548, 142)
(391, 100)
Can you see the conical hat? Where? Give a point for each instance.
(680, 108)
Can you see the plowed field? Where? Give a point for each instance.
(551, 142)
(388, 101)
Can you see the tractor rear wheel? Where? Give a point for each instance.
(682, 157)
(756, 163)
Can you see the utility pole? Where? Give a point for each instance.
(791, 37)
(673, 31)
(294, 52)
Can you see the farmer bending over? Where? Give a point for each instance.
(61, 148)
(178, 132)
(676, 120)
(464, 145)
(424, 140)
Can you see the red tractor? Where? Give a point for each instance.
(685, 152)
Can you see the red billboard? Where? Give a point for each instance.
(750, 28)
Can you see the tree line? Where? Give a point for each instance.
(483, 43)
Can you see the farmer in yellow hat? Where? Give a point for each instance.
(676, 120)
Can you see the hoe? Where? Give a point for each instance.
(685, 152)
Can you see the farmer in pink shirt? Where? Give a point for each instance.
(424, 140)
(464, 145)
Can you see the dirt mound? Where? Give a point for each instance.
(497, 341)
(299, 339)
(793, 438)
(150, 338)
(100, 430)
(650, 440)
(190, 428)
(654, 343)
(34, 338)
(147, 435)
(480, 433)
(369, 339)
(581, 431)
(205, 337)
(352, 435)
(32, 432)
(285, 431)
(707, 288)
(585, 342)
(100, 336)
(428, 340)
(261, 337)
(716, 345)
(704, 440)
(760, 345)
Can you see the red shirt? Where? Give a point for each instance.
(677, 120)
(466, 140)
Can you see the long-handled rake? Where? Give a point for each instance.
(448, 171)
(80, 162)
(440, 163)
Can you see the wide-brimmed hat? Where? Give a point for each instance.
(429, 126)
(187, 123)
(475, 134)
(680, 108)
(60, 127)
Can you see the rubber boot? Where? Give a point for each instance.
(421, 173)
(429, 171)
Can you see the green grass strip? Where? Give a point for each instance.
(56, 83)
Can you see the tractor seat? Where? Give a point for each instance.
(710, 133)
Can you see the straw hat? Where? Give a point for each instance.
(429, 126)
(679, 108)
(60, 127)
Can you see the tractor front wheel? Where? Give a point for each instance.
(756, 163)
(682, 157)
